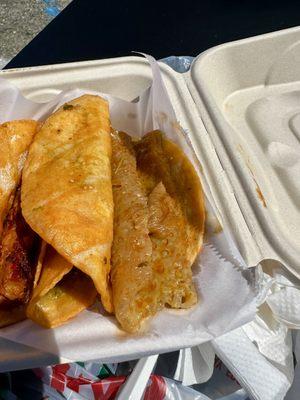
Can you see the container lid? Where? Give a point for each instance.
(247, 94)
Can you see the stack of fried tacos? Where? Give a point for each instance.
(119, 218)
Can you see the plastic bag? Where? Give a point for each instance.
(97, 381)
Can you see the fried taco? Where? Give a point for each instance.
(133, 280)
(67, 200)
(158, 227)
(19, 245)
(120, 218)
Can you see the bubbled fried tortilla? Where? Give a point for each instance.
(67, 191)
(160, 160)
(15, 137)
(170, 255)
(18, 255)
(158, 227)
(18, 242)
(133, 281)
(62, 292)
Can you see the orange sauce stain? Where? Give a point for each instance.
(260, 195)
(258, 190)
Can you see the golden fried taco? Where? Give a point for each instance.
(133, 281)
(92, 195)
(177, 215)
(158, 227)
(19, 246)
(67, 200)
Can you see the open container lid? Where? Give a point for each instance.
(247, 94)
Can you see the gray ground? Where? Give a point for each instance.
(21, 20)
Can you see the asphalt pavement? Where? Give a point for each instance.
(22, 20)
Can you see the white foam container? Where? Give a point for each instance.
(240, 104)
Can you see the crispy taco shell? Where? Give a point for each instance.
(19, 244)
(61, 293)
(66, 188)
(158, 227)
(170, 255)
(15, 137)
(18, 255)
(177, 216)
(160, 160)
(133, 281)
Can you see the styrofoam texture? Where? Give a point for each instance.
(248, 95)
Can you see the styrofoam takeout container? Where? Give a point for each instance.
(240, 104)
